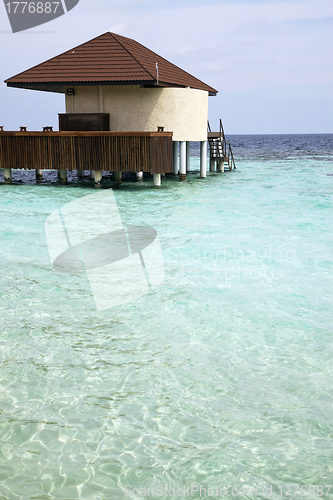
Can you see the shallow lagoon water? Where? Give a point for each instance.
(221, 377)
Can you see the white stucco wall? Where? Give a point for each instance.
(179, 110)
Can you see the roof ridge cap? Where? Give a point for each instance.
(114, 35)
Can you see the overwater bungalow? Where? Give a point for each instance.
(127, 110)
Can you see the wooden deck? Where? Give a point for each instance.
(150, 152)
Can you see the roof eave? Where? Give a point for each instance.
(60, 87)
(210, 90)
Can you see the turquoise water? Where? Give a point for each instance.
(221, 377)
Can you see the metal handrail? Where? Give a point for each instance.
(230, 153)
(226, 146)
(222, 129)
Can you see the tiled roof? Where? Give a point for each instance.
(108, 59)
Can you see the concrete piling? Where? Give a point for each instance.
(8, 175)
(157, 180)
(39, 174)
(98, 178)
(63, 176)
(182, 161)
(220, 166)
(175, 157)
(117, 178)
(188, 156)
(203, 159)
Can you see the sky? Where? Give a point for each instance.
(270, 60)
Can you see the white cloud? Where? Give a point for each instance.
(119, 28)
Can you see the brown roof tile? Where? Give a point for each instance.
(107, 59)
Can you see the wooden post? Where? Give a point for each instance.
(39, 174)
(139, 176)
(80, 173)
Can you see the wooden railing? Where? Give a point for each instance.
(110, 151)
(226, 146)
(231, 161)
